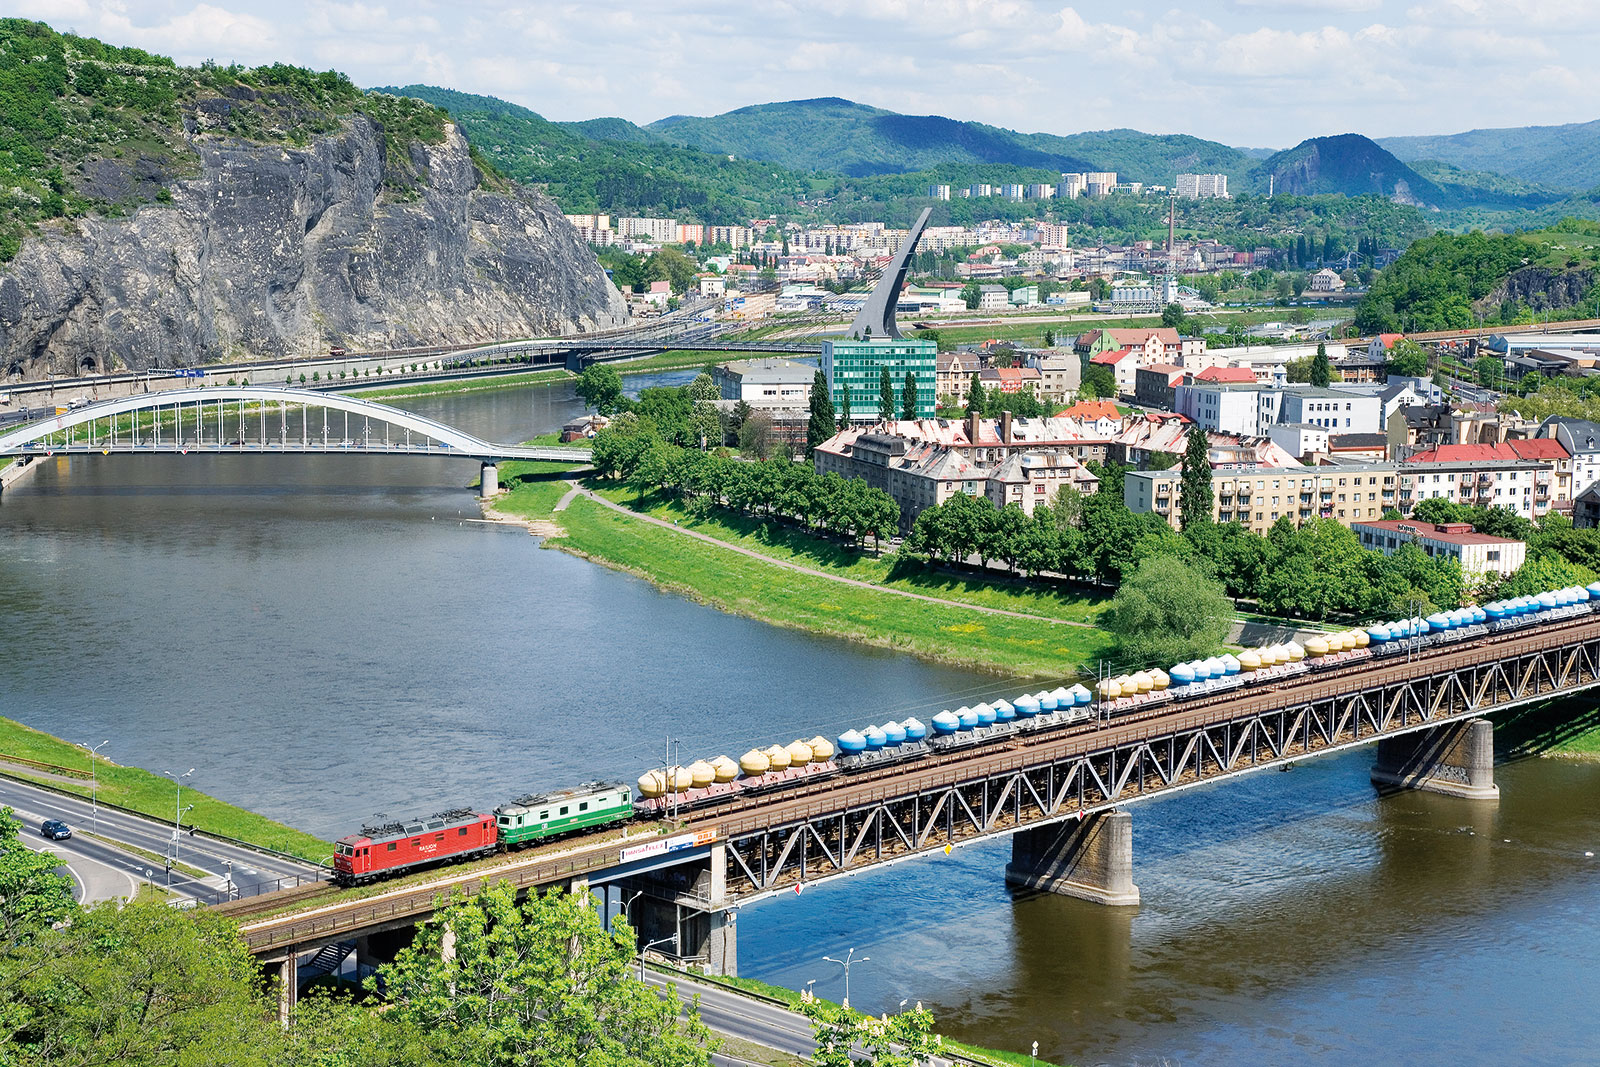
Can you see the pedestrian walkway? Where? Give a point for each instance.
(812, 571)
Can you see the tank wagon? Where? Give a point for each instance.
(394, 848)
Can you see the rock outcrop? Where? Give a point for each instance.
(274, 251)
(1541, 288)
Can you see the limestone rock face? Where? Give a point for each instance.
(272, 251)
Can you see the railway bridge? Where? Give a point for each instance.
(261, 420)
(1061, 794)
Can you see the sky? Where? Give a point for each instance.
(1251, 73)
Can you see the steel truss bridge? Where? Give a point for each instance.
(257, 420)
(848, 824)
(840, 827)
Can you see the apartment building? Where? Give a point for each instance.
(765, 384)
(1202, 186)
(1229, 407)
(1258, 496)
(854, 368)
(1525, 487)
(1335, 410)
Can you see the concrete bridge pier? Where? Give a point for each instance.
(288, 988)
(490, 485)
(1456, 759)
(1089, 858)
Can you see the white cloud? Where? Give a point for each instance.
(1257, 72)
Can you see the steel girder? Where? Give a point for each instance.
(893, 828)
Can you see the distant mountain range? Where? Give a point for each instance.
(756, 156)
(1560, 157)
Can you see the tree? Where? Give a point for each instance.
(600, 387)
(1098, 381)
(1194, 491)
(908, 397)
(902, 1040)
(1167, 612)
(755, 436)
(975, 397)
(670, 265)
(1490, 372)
(1321, 371)
(1172, 317)
(705, 425)
(820, 426)
(972, 295)
(844, 408)
(1299, 370)
(1407, 358)
(135, 984)
(885, 395)
(1049, 338)
(704, 389)
(540, 982)
(32, 894)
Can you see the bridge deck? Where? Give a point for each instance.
(1051, 775)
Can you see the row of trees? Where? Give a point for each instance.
(633, 451)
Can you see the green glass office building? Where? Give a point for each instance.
(857, 366)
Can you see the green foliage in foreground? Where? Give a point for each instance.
(145, 985)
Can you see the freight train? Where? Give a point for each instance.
(394, 848)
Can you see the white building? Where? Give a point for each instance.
(993, 297)
(939, 192)
(1479, 554)
(1338, 411)
(1229, 407)
(1202, 186)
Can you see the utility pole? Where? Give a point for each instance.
(177, 817)
(94, 783)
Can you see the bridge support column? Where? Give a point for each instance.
(288, 988)
(490, 484)
(722, 942)
(1089, 858)
(1456, 759)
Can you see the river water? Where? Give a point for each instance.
(326, 638)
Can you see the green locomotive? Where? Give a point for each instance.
(541, 815)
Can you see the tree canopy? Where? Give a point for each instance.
(1168, 611)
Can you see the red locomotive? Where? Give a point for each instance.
(395, 848)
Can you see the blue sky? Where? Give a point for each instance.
(1260, 73)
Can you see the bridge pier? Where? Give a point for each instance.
(1089, 858)
(288, 988)
(1456, 759)
(490, 484)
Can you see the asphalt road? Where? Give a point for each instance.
(84, 855)
(744, 1017)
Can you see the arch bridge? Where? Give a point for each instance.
(262, 420)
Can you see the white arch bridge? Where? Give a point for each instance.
(259, 420)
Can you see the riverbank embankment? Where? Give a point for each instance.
(788, 578)
(35, 756)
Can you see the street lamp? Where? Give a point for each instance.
(670, 939)
(94, 785)
(177, 816)
(849, 957)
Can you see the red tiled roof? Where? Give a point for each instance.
(1388, 339)
(1111, 359)
(1091, 410)
(1226, 374)
(1539, 448)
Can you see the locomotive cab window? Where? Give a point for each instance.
(544, 815)
(461, 832)
(584, 806)
(393, 845)
(563, 809)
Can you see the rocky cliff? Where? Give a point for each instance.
(1541, 288)
(275, 250)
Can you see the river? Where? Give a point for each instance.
(327, 638)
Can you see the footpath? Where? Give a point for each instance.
(798, 568)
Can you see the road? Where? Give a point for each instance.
(737, 1015)
(101, 868)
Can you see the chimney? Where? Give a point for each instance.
(1005, 427)
(972, 428)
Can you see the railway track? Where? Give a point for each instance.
(941, 770)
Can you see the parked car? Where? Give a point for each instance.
(55, 830)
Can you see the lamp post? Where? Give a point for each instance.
(627, 911)
(849, 957)
(177, 816)
(94, 783)
(670, 939)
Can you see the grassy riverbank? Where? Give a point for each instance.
(1564, 728)
(760, 589)
(151, 794)
(674, 360)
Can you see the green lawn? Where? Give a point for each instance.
(152, 794)
(460, 385)
(741, 585)
(792, 545)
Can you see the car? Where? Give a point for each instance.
(55, 830)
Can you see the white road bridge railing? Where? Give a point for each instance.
(256, 419)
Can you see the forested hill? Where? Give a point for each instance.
(1562, 157)
(624, 174)
(1454, 281)
(844, 137)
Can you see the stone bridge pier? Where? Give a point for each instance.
(1089, 858)
(1455, 759)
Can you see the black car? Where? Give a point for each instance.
(55, 830)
